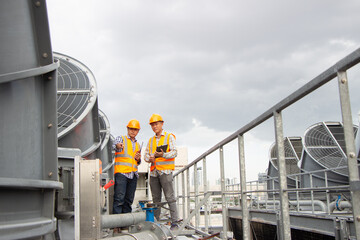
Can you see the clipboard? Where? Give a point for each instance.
(162, 147)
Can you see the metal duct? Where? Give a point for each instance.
(28, 143)
(78, 120)
(293, 150)
(324, 148)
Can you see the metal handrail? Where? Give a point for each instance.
(337, 70)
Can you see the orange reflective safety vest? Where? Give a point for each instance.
(124, 160)
(161, 163)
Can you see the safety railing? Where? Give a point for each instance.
(283, 195)
(320, 199)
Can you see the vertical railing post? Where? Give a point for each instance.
(188, 192)
(311, 193)
(244, 208)
(273, 196)
(297, 193)
(257, 194)
(196, 193)
(222, 176)
(327, 193)
(266, 193)
(183, 194)
(251, 196)
(233, 193)
(205, 191)
(284, 200)
(351, 153)
(177, 188)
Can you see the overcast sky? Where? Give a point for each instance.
(210, 67)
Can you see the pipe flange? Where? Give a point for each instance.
(159, 230)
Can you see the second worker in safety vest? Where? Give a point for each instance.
(162, 167)
(127, 159)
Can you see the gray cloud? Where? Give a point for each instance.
(220, 62)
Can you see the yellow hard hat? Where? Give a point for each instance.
(133, 123)
(155, 118)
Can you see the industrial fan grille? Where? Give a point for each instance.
(325, 143)
(76, 92)
(104, 125)
(293, 151)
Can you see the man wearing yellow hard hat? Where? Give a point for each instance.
(127, 159)
(162, 167)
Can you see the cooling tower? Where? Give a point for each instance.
(324, 148)
(28, 143)
(293, 150)
(78, 117)
(107, 139)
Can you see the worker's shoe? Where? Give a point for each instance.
(174, 226)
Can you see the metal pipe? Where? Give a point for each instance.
(108, 166)
(315, 189)
(145, 235)
(313, 203)
(122, 220)
(341, 205)
(318, 203)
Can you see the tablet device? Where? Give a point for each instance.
(162, 147)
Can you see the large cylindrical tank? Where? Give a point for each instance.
(28, 143)
(78, 114)
(293, 150)
(324, 148)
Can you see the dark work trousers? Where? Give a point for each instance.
(164, 182)
(124, 193)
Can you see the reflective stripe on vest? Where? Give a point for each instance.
(161, 163)
(124, 160)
